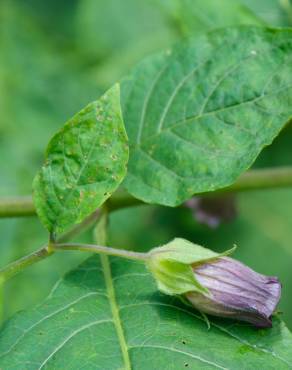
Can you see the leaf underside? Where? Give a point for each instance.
(109, 316)
(199, 115)
(85, 162)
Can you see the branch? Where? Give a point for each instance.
(260, 179)
(23, 206)
(46, 251)
(270, 178)
(79, 228)
(15, 267)
(16, 207)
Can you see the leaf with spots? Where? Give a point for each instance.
(199, 115)
(85, 162)
(109, 316)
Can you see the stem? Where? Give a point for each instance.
(101, 250)
(79, 228)
(20, 264)
(23, 206)
(269, 178)
(17, 266)
(16, 207)
(13, 268)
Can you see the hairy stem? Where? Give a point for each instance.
(101, 250)
(269, 178)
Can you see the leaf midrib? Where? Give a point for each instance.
(197, 117)
(76, 181)
(217, 326)
(115, 311)
(201, 113)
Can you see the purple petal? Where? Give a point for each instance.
(236, 291)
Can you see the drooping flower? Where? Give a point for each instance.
(215, 284)
(236, 291)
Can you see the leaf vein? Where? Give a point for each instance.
(219, 327)
(48, 317)
(72, 335)
(181, 352)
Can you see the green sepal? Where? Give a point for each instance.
(172, 266)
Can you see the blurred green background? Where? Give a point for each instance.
(58, 55)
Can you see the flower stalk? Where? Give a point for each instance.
(102, 250)
(213, 283)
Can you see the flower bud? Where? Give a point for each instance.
(236, 291)
(213, 283)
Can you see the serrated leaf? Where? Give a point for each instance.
(198, 116)
(109, 316)
(85, 162)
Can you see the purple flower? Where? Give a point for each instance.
(235, 291)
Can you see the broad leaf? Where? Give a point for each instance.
(85, 162)
(198, 116)
(197, 16)
(274, 12)
(109, 316)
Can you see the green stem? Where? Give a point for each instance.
(13, 207)
(79, 228)
(15, 267)
(101, 250)
(258, 179)
(16, 207)
(268, 178)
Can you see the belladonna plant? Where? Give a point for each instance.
(212, 283)
(215, 284)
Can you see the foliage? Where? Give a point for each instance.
(190, 120)
(192, 102)
(79, 326)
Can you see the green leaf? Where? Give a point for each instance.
(109, 316)
(198, 116)
(85, 162)
(274, 12)
(198, 16)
